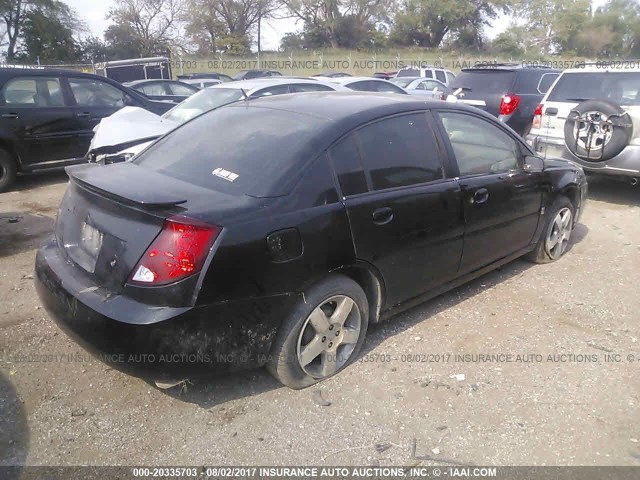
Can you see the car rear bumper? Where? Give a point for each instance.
(626, 163)
(162, 342)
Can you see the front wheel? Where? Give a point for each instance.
(322, 335)
(7, 170)
(557, 232)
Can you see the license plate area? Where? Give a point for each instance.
(85, 253)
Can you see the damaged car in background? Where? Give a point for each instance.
(303, 220)
(128, 132)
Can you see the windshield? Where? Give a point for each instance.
(485, 81)
(238, 150)
(622, 88)
(201, 102)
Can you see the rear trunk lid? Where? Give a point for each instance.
(111, 214)
(484, 88)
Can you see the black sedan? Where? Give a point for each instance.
(164, 90)
(306, 219)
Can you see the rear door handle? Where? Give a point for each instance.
(84, 115)
(480, 196)
(10, 115)
(382, 216)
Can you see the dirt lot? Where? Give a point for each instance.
(576, 409)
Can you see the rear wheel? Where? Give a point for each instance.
(7, 170)
(557, 232)
(322, 335)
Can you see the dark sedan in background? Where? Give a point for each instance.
(279, 242)
(164, 90)
(47, 116)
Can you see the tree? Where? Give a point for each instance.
(426, 23)
(14, 14)
(150, 25)
(48, 34)
(340, 23)
(225, 25)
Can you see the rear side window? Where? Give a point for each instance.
(255, 151)
(267, 92)
(400, 151)
(153, 89)
(33, 92)
(546, 81)
(346, 162)
(450, 77)
(489, 81)
(307, 87)
(364, 86)
(622, 88)
(441, 76)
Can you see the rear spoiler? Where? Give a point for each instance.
(125, 181)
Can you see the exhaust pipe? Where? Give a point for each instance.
(633, 181)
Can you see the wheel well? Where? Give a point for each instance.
(372, 286)
(7, 147)
(572, 192)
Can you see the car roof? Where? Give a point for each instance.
(250, 85)
(510, 67)
(346, 80)
(620, 66)
(151, 80)
(349, 104)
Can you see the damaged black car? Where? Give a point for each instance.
(306, 219)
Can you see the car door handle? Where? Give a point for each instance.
(84, 115)
(10, 115)
(480, 196)
(382, 216)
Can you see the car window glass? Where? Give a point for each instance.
(34, 92)
(346, 162)
(362, 86)
(450, 77)
(400, 151)
(440, 76)
(546, 81)
(95, 93)
(421, 86)
(306, 87)
(385, 86)
(408, 72)
(154, 89)
(177, 89)
(479, 146)
(277, 90)
(428, 74)
(430, 85)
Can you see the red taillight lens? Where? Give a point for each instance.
(509, 103)
(537, 117)
(179, 251)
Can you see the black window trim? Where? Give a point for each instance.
(524, 149)
(442, 155)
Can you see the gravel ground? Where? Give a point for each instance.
(576, 409)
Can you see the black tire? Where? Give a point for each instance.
(284, 362)
(542, 253)
(618, 123)
(7, 170)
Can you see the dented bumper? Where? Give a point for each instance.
(163, 342)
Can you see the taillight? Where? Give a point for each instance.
(509, 103)
(179, 251)
(537, 117)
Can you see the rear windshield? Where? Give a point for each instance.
(237, 150)
(485, 81)
(622, 88)
(408, 72)
(201, 102)
(404, 82)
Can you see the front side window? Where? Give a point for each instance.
(480, 147)
(268, 92)
(307, 87)
(95, 93)
(156, 89)
(400, 151)
(183, 90)
(33, 92)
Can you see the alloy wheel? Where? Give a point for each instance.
(558, 236)
(329, 336)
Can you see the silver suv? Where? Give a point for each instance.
(588, 117)
(426, 71)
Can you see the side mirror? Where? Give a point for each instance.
(533, 164)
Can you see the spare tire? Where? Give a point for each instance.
(597, 130)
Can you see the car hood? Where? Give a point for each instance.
(128, 126)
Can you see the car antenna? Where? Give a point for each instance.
(246, 97)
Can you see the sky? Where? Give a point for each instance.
(94, 13)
